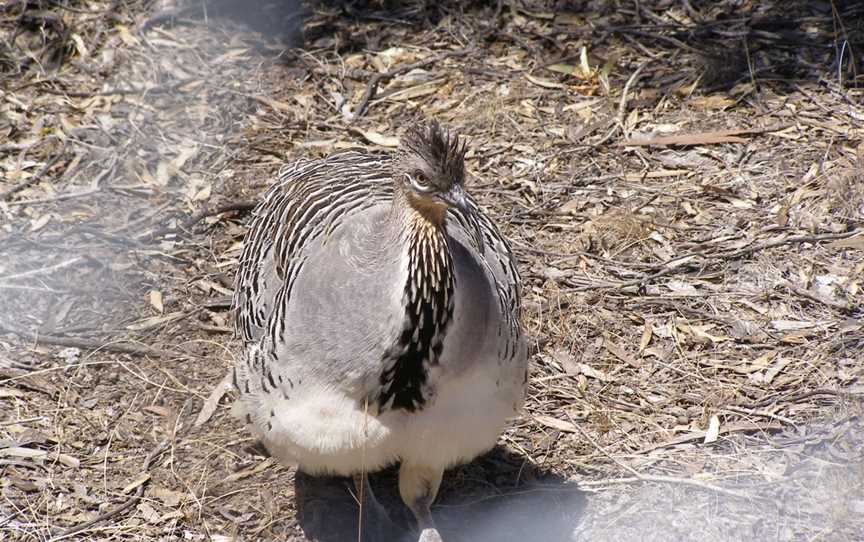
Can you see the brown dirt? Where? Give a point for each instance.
(683, 183)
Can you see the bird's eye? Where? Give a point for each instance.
(420, 181)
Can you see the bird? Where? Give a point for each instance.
(380, 314)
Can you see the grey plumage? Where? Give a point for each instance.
(380, 309)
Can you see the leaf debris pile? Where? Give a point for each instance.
(682, 184)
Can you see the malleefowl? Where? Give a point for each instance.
(380, 313)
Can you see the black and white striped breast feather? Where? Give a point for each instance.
(309, 199)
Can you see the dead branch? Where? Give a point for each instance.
(156, 89)
(198, 216)
(842, 307)
(639, 477)
(43, 270)
(685, 262)
(88, 344)
(372, 86)
(169, 16)
(21, 185)
(794, 240)
(679, 481)
(628, 284)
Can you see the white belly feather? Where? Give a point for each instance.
(323, 430)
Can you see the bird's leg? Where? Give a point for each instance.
(366, 497)
(374, 517)
(418, 486)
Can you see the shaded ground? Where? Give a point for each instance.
(683, 184)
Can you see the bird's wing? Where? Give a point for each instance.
(494, 253)
(309, 199)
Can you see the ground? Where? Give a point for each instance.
(682, 182)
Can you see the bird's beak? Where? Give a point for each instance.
(456, 197)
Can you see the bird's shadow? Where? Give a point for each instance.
(498, 497)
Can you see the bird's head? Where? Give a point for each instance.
(430, 171)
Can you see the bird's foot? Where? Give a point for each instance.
(430, 535)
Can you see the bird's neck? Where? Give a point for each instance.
(421, 235)
(429, 282)
(428, 303)
(430, 276)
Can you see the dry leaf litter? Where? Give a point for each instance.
(683, 183)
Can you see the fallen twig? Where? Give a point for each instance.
(77, 342)
(156, 89)
(842, 307)
(622, 104)
(239, 475)
(794, 240)
(61, 197)
(35, 178)
(42, 270)
(169, 16)
(372, 85)
(94, 188)
(701, 138)
(198, 216)
(762, 414)
(639, 477)
(686, 261)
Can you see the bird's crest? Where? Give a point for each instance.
(440, 149)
